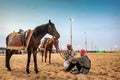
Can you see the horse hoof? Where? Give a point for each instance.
(28, 72)
(36, 71)
(9, 69)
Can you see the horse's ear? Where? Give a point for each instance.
(49, 21)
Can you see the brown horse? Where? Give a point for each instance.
(38, 33)
(47, 46)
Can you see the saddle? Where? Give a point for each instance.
(19, 40)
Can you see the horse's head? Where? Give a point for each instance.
(52, 30)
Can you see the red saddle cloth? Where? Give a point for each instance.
(18, 41)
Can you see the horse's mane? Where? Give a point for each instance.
(41, 29)
(37, 27)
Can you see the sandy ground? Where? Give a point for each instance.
(105, 66)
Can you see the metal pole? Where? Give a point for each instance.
(85, 41)
(70, 31)
(92, 45)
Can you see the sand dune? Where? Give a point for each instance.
(105, 66)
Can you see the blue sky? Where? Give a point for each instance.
(100, 19)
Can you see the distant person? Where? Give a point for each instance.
(69, 54)
(82, 63)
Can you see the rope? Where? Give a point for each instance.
(61, 54)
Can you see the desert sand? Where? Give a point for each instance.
(105, 66)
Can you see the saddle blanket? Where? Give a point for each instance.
(19, 41)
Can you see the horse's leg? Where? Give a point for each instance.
(42, 52)
(50, 56)
(8, 56)
(35, 61)
(28, 62)
(45, 55)
(7, 59)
